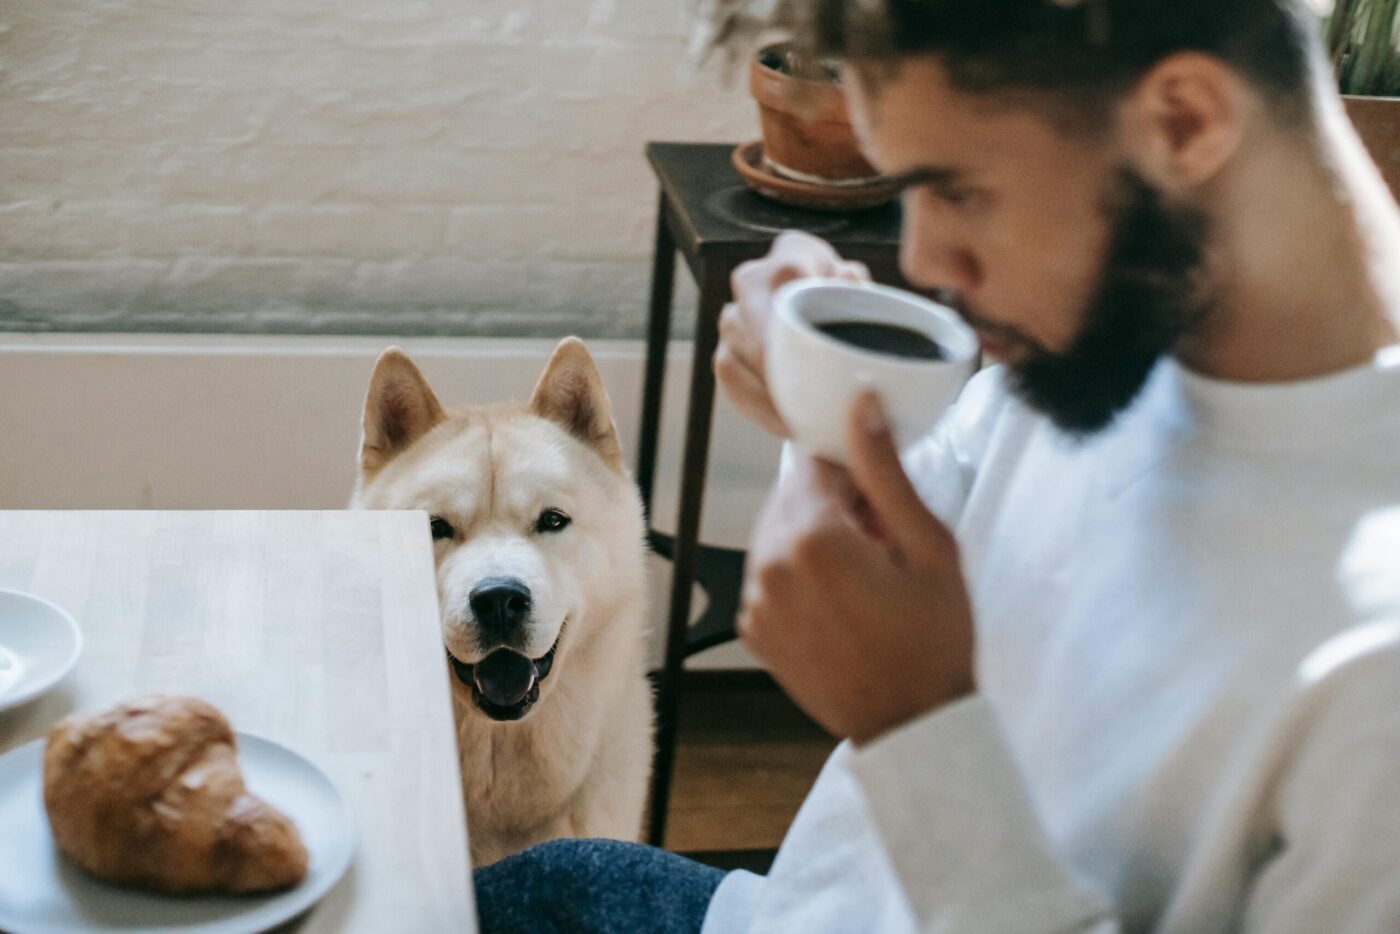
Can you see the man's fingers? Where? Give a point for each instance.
(738, 337)
(738, 365)
(812, 250)
(878, 473)
(834, 480)
(791, 271)
(748, 392)
(854, 271)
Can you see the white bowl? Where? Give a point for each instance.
(39, 644)
(815, 378)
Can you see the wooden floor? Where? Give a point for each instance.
(745, 761)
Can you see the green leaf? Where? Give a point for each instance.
(1360, 37)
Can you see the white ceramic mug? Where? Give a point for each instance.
(815, 378)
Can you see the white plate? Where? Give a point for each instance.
(39, 644)
(41, 892)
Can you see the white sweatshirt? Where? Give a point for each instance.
(1189, 668)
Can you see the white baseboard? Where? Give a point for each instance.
(234, 422)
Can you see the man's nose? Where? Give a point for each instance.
(931, 259)
(501, 606)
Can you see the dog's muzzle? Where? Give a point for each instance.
(505, 684)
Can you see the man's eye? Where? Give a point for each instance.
(969, 198)
(552, 520)
(441, 528)
(957, 197)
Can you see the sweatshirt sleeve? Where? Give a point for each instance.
(1328, 839)
(976, 859)
(1334, 862)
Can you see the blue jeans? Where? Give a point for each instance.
(594, 886)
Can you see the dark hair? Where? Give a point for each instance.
(1083, 53)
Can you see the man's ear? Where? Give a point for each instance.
(1185, 119)
(571, 394)
(399, 409)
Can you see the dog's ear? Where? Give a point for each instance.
(399, 409)
(571, 394)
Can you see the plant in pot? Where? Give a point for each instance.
(1361, 39)
(808, 153)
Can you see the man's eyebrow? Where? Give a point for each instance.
(925, 175)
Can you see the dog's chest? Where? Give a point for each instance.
(516, 776)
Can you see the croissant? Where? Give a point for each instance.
(149, 794)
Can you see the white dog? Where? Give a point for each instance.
(538, 535)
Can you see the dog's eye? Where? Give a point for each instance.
(441, 528)
(552, 520)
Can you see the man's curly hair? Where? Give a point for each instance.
(1082, 53)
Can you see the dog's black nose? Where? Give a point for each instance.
(501, 606)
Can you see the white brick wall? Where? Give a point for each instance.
(399, 166)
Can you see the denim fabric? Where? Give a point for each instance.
(594, 886)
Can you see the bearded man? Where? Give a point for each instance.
(1117, 648)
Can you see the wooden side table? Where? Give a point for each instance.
(707, 214)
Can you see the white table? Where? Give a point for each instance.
(318, 630)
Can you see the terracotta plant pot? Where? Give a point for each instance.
(1377, 122)
(807, 132)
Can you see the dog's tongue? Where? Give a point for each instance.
(504, 677)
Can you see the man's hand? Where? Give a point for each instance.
(854, 596)
(743, 327)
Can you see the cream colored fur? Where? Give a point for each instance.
(577, 764)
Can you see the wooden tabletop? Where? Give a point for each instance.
(318, 630)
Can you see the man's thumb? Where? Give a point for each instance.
(879, 475)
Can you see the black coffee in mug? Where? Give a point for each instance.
(893, 339)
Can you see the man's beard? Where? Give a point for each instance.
(1148, 296)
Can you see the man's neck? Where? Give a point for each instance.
(1308, 251)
